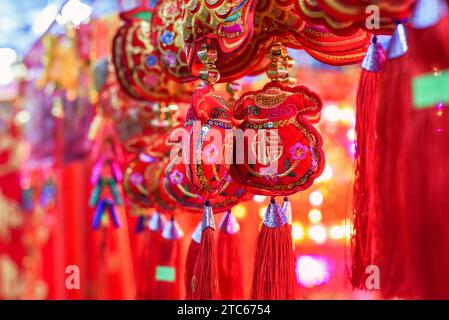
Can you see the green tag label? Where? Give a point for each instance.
(143, 15)
(430, 89)
(164, 273)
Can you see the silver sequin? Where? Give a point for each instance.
(156, 222)
(398, 43)
(274, 216)
(208, 218)
(172, 231)
(229, 224)
(196, 235)
(375, 56)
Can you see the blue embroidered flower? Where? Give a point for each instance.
(167, 38)
(151, 60)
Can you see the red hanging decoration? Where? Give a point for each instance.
(394, 104)
(425, 152)
(224, 25)
(136, 61)
(146, 284)
(230, 270)
(345, 16)
(285, 165)
(167, 37)
(169, 268)
(210, 152)
(205, 275)
(274, 274)
(192, 256)
(364, 217)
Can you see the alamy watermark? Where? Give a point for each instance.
(209, 145)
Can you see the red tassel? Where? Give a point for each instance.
(274, 274)
(205, 274)
(192, 256)
(426, 154)
(150, 252)
(367, 102)
(391, 241)
(168, 273)
(230, 270)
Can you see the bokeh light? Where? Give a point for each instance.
(331, 113)
(315, 216)
(326, 175)
(297, 231)
(239, 211)
(316, 198)
(337, 232)
(317, 234)
(258, 198)
(311, 270)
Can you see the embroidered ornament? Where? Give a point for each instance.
(137, 65)
(346, 16)
(176, 194)
(134, 182)
(227, 26)
(279, 152)
(209, 124)
(105, 195)
(167, 38)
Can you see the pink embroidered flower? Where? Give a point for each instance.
(176, 177)
(211, 153)
(298, 151)
(136, 179)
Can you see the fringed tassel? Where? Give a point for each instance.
(168, 273)
(367, 102)
(205, 274)
(230, 270)
(192, 256)
(149, 257)
(391, 241)
(426, 151)
(274, 274)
